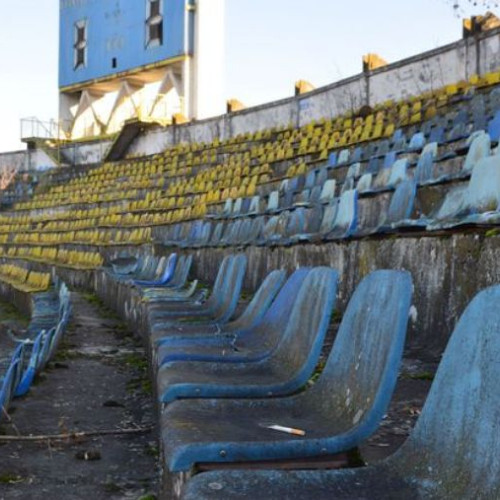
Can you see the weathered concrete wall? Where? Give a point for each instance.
(428, 71)
(204, 131)
(264, 117)
(447, 272)
(488, 52)
(153, 141)
(85, 153)
(333, 100)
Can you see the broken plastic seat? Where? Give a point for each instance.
(342, 409)
(453, 451)
(284, 370)
(34, 352)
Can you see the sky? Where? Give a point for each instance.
(270, 44)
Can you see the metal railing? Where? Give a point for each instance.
(34, 128)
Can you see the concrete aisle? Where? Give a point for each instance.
(97, 382)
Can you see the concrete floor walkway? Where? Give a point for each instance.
(98, 382)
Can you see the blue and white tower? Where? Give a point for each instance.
(143, 59)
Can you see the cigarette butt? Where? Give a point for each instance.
(288, 430)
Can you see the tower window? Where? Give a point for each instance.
(80, 44)
(154, 23)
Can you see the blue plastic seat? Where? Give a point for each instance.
(343, 157)
(342, 409)
(310, 180)
(424, 171)
(296, 225)
(254, 208)
(285, 370)
(315, 230)
(268, 230)
(313, 221)
(437, 135)
(216, 235)
(213, 342)
(357, 155)
(401, 207)
(332, 160)
(453, 451)
(166, 277)
(254, 231)
(346, 218)
(480, 147)
(417, 142)
(273, 203)
(474, 203)
(373, 166)
(327, 194)
(494, 127)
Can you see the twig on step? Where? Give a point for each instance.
(77, 435)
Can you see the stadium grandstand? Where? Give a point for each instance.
(309, 286)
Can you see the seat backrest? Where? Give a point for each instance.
(205, 234)
(237, 206)
(479, 148)
(270, 228)
(437, 134)
(494, 127)
(243, 232)
(273, 201)
(310, 179)
(389, 159)
(425, 165)
(364, 183)
(314, 217)
(300, 346)
(483, 192)
(452, 205)
(455, 445)
(328, 191)
(182, 270)
(274, 321)
(402, 202)
(227, 300)
(261, 301)
(373, 166)
(329, 215)
(362, 368)
(254, 231)
(217, 234)
(399, 172)
(254, 205)
(222, 274)
(347, 216)
(354, 171)
(417, 141)
(296, 222)
(169, 269)
(343, 157)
